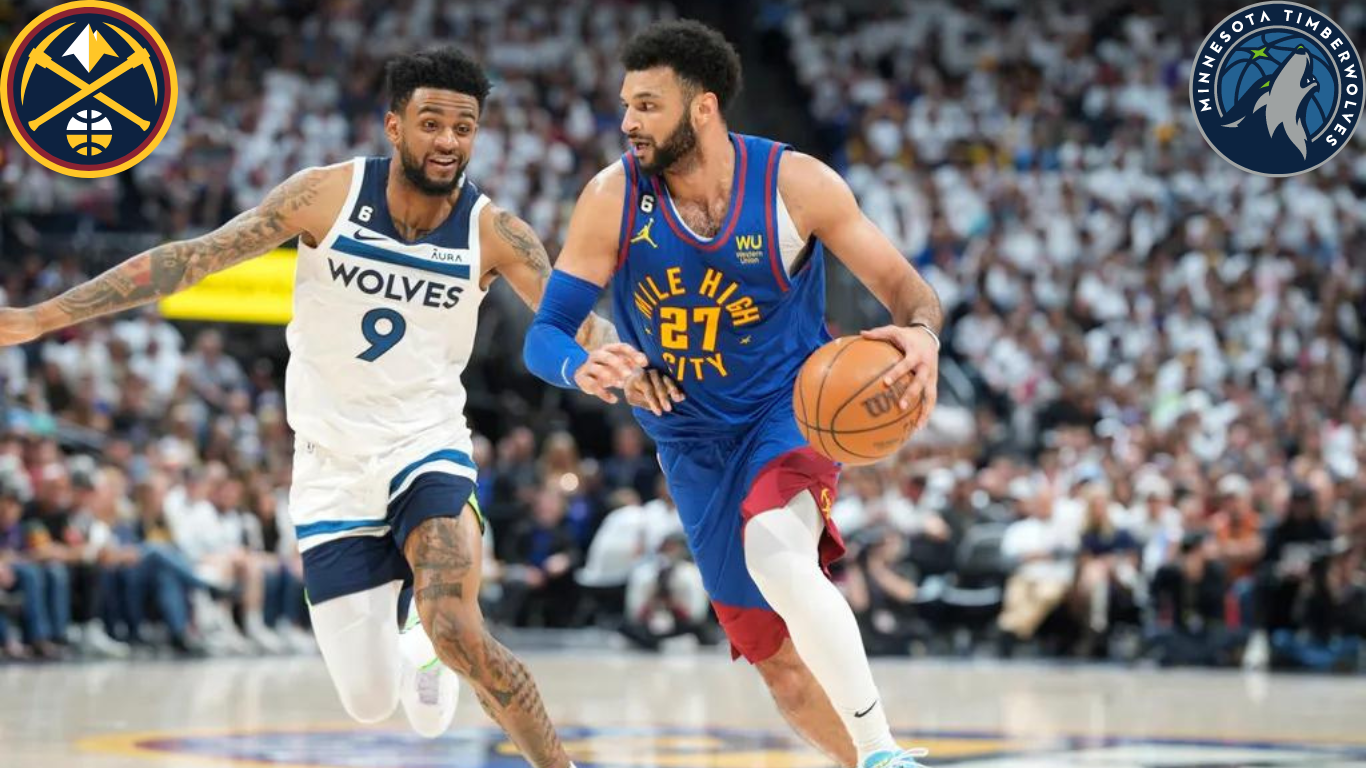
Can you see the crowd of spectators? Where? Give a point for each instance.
(1166, 352)
(144, 503)
(1159, 453)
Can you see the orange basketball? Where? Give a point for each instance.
(843, 408)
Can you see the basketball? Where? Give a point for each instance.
(844, 409)
(339, 316)
(82, 136)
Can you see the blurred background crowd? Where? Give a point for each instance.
(1151, 437)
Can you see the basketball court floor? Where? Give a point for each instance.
(678, 711)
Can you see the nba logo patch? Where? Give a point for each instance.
(1276, 88)
(89, 89)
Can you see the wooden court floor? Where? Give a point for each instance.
(679, 711)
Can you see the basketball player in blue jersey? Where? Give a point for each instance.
(395, 255)
(714, 246)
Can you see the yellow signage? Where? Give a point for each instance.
(257, 291)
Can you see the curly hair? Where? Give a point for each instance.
(700, 56)
(448, 69)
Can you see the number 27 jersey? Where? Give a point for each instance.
(383, 328)
(726, 317)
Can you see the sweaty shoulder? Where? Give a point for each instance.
(590, 246)
(606, 190)
(328, 186)
(811, 190)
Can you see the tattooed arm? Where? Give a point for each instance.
(516, 253)
(288, 210)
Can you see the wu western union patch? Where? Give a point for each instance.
(89, 89)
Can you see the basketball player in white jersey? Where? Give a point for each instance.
(395, 255)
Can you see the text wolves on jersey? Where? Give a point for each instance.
(403, 288)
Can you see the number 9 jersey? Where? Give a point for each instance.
(383, 328)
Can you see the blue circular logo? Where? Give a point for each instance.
(1276, 88)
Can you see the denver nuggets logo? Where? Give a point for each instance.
(1276, 89)
(89, 89)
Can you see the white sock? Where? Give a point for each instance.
(255, 622)
(781, 552)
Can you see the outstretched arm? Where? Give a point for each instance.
(173, 267)
(586, 265)
(517, 254)
(822, 205)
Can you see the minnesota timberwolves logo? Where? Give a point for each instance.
(1276, 88)
(89, 89)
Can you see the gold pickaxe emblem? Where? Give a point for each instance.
(38, 56)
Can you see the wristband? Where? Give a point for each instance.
(930, 331)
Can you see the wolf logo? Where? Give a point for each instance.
(1276, 88)
(1282, 99)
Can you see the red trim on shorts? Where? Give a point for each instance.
(758, 633)
(798, 470)
(755, 633)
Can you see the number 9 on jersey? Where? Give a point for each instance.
(383, 328)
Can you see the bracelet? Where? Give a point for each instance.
(930, 331)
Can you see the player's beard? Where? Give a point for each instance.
(414, 171)
(680, 145)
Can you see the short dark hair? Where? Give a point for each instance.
(448, 69)
(699, 55)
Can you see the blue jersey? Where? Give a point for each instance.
(721, 316)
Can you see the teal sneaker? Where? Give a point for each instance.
(903, 759)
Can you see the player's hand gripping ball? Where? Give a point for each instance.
(845, 408)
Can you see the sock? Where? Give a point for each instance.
(254, 621)
(781, 551)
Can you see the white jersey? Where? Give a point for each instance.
(383, 328)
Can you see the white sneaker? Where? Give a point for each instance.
(298, 640)
(429, 689)
(224, 639)
(266, 640)
(96, 642)
(1257, 654)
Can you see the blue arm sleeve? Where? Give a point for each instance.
(550, 350)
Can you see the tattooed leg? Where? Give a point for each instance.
(445, 554)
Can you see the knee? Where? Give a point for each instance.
(768, 568)
(787, 580)
(456, 635)
(57, 574)
(781, 551)
(26, 578)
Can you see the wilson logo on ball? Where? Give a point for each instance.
(843, 408)
(886, 400)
